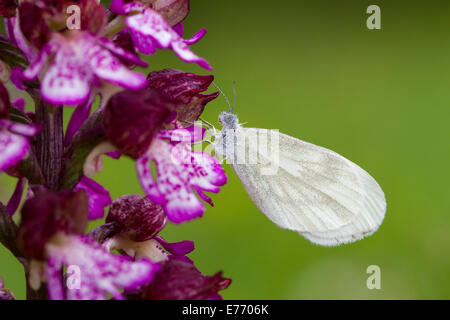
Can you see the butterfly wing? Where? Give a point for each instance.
(315, 191)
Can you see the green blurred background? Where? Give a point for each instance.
(379, 97)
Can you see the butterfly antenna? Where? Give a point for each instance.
(226, 99)
(234, 96)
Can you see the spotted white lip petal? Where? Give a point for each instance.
(39, 62)
(180, 172)
(149, 30)
(109, 68)
(67, 79)
(150, 23)
(101, 272)
(80, 62)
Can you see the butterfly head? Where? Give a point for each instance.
(228, 120)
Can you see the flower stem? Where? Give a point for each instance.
(50, 142)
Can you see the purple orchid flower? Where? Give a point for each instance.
(181, 280)
(180, 173)
(14, 136)
(53, 239)
(150, 31)
(134, 123)
(14, 142)
(149, 119)
(98, 197)
(132, 225)
(81, 61)
(100, 271)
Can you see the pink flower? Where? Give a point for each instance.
(149, 31)
(98, 197)
(181, 280)
(181, 173)
(14, 136)
(79, 61)
(100, 272)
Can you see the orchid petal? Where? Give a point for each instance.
(19, 103)
(81, 113)
(16, 197)
(101, 271)
(109, 68)
(98, 197)
(180, 172)
(38, 64)
(196, 37)
(144, 44)
(150, 23)
(118, 51)
(67, 80)
(29, 130)
(177, 248)
(179, 29)
(182, 50)
(13, 148)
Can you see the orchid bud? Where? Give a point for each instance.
(181, 280)
(8, 8)
(132, 118)
(173, 11)
(4, 102)
(184, 88)
(48, 213)
(137, 217)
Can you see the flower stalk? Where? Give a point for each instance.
(145, 117)
(50, 144)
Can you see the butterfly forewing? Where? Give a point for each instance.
(314, 191)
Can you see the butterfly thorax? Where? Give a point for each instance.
(230, 123)
(228, 120)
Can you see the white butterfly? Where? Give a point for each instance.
(314, 191)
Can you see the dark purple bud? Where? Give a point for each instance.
(33, 25)
(173, 11)
(181, 280)
(8, 8)
(185, 89)
(39, 19)
(137, 217)
(123, 40)
(93, 16)
(15, 171)
(133, 117)
(48, 213)
(4, 102)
